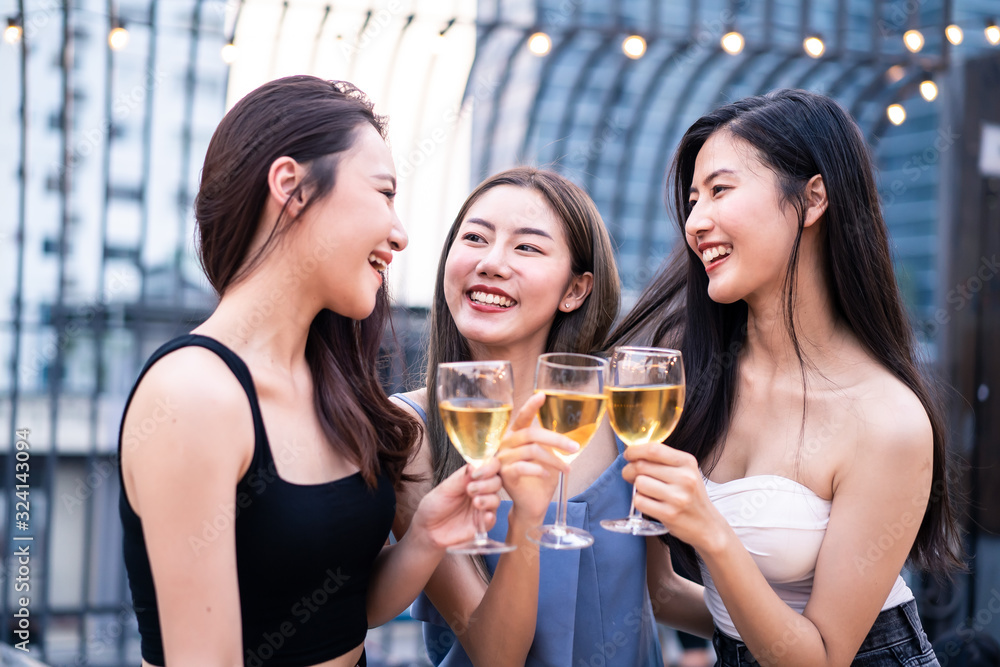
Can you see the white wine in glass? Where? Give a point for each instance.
(475, 399)
(645, 400)
(574, 405)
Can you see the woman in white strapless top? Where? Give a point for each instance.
(809, 464)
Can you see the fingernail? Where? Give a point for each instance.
(473, 488)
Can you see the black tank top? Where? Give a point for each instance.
(304, 553)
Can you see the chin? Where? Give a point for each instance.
(723, 296)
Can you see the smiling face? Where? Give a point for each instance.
(509, 270)
(352, 232)
(738, 226)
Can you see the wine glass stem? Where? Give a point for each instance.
(481, 535)
(633, 516)
(561, 507)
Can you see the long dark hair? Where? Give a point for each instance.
(796, 134)
(314, 122)
(582, 330)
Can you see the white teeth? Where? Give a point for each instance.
(715, 251)
(377, 262)
(491, 299)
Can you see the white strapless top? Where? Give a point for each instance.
(782, 524)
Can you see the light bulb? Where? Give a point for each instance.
(814, 46)
(732, 43)
(928, 90)
(896, 114)
(634, 47)
(539, 44)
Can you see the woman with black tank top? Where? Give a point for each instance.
(259, 454)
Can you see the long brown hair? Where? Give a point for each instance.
(582, 330)
(796, 134)
(314, 122)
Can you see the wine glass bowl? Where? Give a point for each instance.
(645, 399)
(575, 403)
(475, 400)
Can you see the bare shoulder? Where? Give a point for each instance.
(420, 467)
(418, 396)
(189, 411)
(894, 430)
(893, 414)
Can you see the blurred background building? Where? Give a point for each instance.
(107, 107)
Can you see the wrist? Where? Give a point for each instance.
(518, 526)
(717, 543)
(420, 537)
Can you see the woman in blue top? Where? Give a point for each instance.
(527, 268)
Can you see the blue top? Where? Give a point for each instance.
(605, 585)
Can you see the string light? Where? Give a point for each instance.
(118, 37)
(928, 90)
(634, 47)
(539, 44)
(914, 40)
(732, 43)
(814, 46)
(12, 34)
(992, 33)
(954, 34)
(230, 53)
(896, 114)
(895, 73)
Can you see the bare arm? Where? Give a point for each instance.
(444, 516)
(495, 623)
(178, 479)
(677, 602)
(881, 494)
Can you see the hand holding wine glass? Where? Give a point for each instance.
(646, 390)
(574, 405)
(475, 399)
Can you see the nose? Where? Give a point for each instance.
(398, 239)
(699, 221)
(494, 262)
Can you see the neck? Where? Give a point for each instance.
(263, 323)
(817, 330)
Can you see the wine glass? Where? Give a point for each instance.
(646, 396)
(574, 405)
(475, 399)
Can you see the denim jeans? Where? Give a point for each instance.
(896, 638)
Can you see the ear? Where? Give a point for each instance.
(577, 292)
(283, 178)
(816, 201)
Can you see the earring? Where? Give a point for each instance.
(567, 305)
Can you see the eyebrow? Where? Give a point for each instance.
(711, 177)
(387, 177)
(520, 230)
